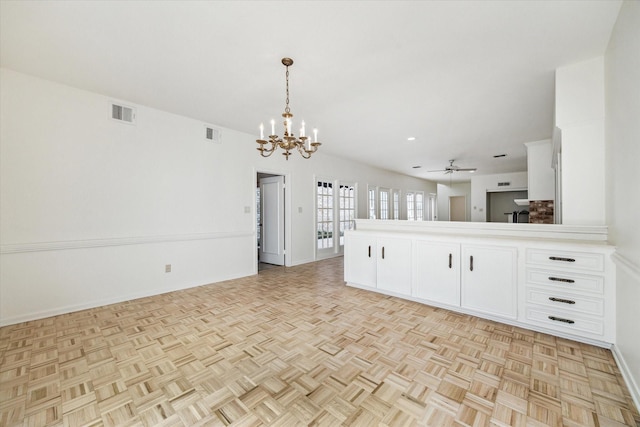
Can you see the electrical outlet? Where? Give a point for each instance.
(167, 268)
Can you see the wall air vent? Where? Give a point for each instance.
(212, 134)
(504, 184)
(123, 113)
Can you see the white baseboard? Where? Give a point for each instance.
(106, 301)
(634, 390)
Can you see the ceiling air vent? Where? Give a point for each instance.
(504, 184)
(212, 134)
(123, 114)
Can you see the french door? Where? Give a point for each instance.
(335, 213)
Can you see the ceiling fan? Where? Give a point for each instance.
(453, 168)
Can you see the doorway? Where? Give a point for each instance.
(457, 208)
(501, 206)
(270, 220)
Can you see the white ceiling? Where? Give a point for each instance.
(467, 79)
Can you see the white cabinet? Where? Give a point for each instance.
(489, 279)
(378, 262)
(394, 265)
(551, 283)
(438, 272)
(568, 291)
(360, 259)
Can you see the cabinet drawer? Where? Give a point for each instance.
(564, 321)
(568, 302)
(566, 259)
(554, 279)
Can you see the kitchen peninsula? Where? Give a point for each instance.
(556, 279)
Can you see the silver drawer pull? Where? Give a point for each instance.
(560, 319)
(558, 258)
(560, 279)
(566, 301)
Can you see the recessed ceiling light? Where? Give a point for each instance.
(416, 167)
(411, 138)
(499, 155)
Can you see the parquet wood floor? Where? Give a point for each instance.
(292, 347)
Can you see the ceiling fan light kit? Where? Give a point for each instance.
(289, 141)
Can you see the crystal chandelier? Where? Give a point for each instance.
(289, 141)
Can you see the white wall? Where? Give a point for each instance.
(481, 184)
(540, 175)
(455, 189)
(91, 209)
(622, 68)
(580, 116)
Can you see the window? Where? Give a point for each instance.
(431, 208)
(395, 202)
(411, 209)
(419, 206)
(383, 196)
(346, 209)
(372, 203)
(324, 214)
(415, 206)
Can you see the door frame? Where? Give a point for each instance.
(287, 214)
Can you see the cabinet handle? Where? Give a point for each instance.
(449, 260)
(566, 301)
(558, 258)
(383, 252)
(560, 279)
(560, 319)
(369, 251)
(471, 263)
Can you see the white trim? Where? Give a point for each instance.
(582, 234)
(634, 390)
(116, 241)
(633, 270)
(627, 265)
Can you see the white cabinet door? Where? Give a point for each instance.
(394, 265)
(489, 279)
(438, 272)
(360, 260)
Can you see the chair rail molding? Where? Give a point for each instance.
(117, 241)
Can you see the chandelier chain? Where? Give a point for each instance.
(286, 108)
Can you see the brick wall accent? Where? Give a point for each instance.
(541, 211)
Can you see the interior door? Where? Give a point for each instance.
(457, 208)
(272, 215)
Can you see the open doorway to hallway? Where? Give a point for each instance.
(270, 220)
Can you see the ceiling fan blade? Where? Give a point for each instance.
(466, 169)
(439, 170)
